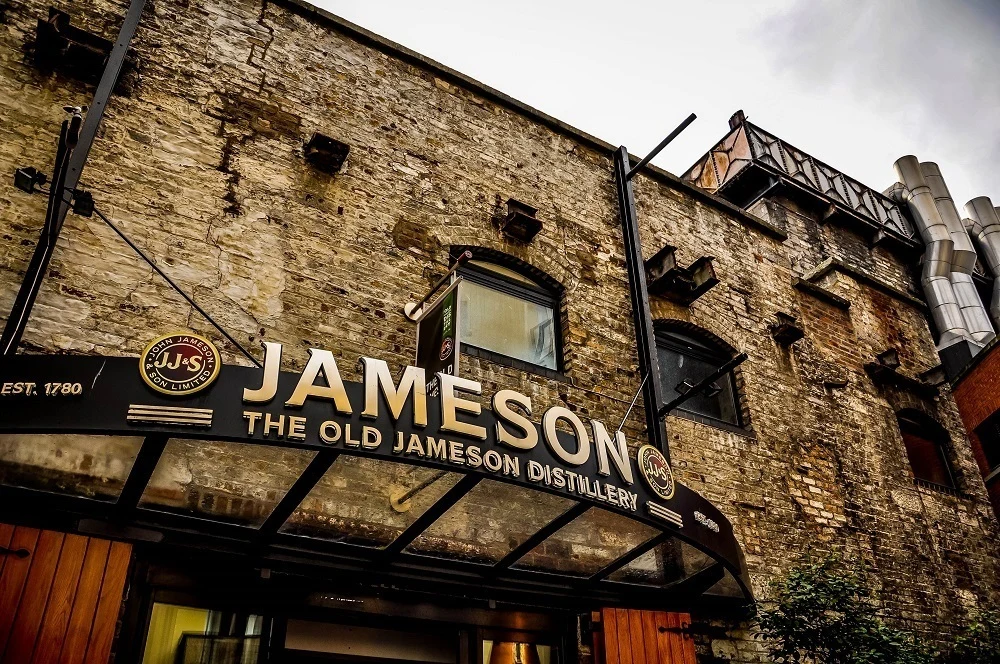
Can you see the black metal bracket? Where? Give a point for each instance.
(703, 384)
(74, 147)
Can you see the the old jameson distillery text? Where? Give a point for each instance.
(513, 428)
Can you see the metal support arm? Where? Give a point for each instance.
(645, 342)
(69, 166)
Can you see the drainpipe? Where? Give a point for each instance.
(935, 278)
(984, 223)
(963, 257)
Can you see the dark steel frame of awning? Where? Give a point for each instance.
(124, 519)
(265, 546)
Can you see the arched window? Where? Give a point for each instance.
(506, 310)
(686, 360)
(925, 442)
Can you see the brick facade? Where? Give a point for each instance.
(977, 393)
(200, 162)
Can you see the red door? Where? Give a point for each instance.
(645, 637)
(59, 604)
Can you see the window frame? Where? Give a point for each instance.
(542, 295)
(705, 350)
(919, 425)
(988, 437)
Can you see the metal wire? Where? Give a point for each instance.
(177, 288)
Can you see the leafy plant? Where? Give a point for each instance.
(823, 614)
(979, 643)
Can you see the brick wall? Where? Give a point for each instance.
(977, 394)
(201, 163)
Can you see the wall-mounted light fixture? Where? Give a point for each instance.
(27, 178)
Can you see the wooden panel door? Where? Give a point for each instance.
(60, 603)
(628, 636)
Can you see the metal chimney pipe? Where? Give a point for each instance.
(935, 277)
(984, 223)
(963, 257)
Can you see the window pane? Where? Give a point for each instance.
(78, 465)
(989, 438)
(512, 651)
(234, 482)
(587, 544)
(507, 325)
(675, 367)
(187, 635)
(503, 271)
(666, 563)
(367, 501)
(927, 460)
(489, 522)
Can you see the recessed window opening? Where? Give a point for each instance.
(989, 438)
(505, 311)
(685, 361)
(925, 442)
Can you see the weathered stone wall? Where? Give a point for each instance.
(824, 468)
(201, 163)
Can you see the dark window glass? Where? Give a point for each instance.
(505, 312)
(989, 437)
(684, 359)
(925, 450)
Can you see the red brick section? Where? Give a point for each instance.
(978, 396)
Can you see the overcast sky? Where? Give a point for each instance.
(855, 84)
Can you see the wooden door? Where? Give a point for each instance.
(60, 603)
(644, 637)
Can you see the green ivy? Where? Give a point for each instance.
(822, 614)
(980, 642)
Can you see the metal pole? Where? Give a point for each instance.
(39, 263)
(705, 382)
(645, 160)
(645, 342)
(28, 292)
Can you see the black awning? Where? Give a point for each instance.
(94, 458)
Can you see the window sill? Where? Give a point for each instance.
(714, 423)
(514, 363)
(939, 488)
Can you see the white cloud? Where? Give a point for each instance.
(854, 84)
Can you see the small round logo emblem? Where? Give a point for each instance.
(180, 363)
(447, 347)
(656, 471)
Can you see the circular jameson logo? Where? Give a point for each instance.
(446, 348)
(180, 364)
(656, 471)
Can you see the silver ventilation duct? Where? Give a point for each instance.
(963, 257)
(936, 275)
(984, 223)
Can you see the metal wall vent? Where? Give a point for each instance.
(520, 222)
(325, 153)
(679, 284)
(786, 329)
(69, 50)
